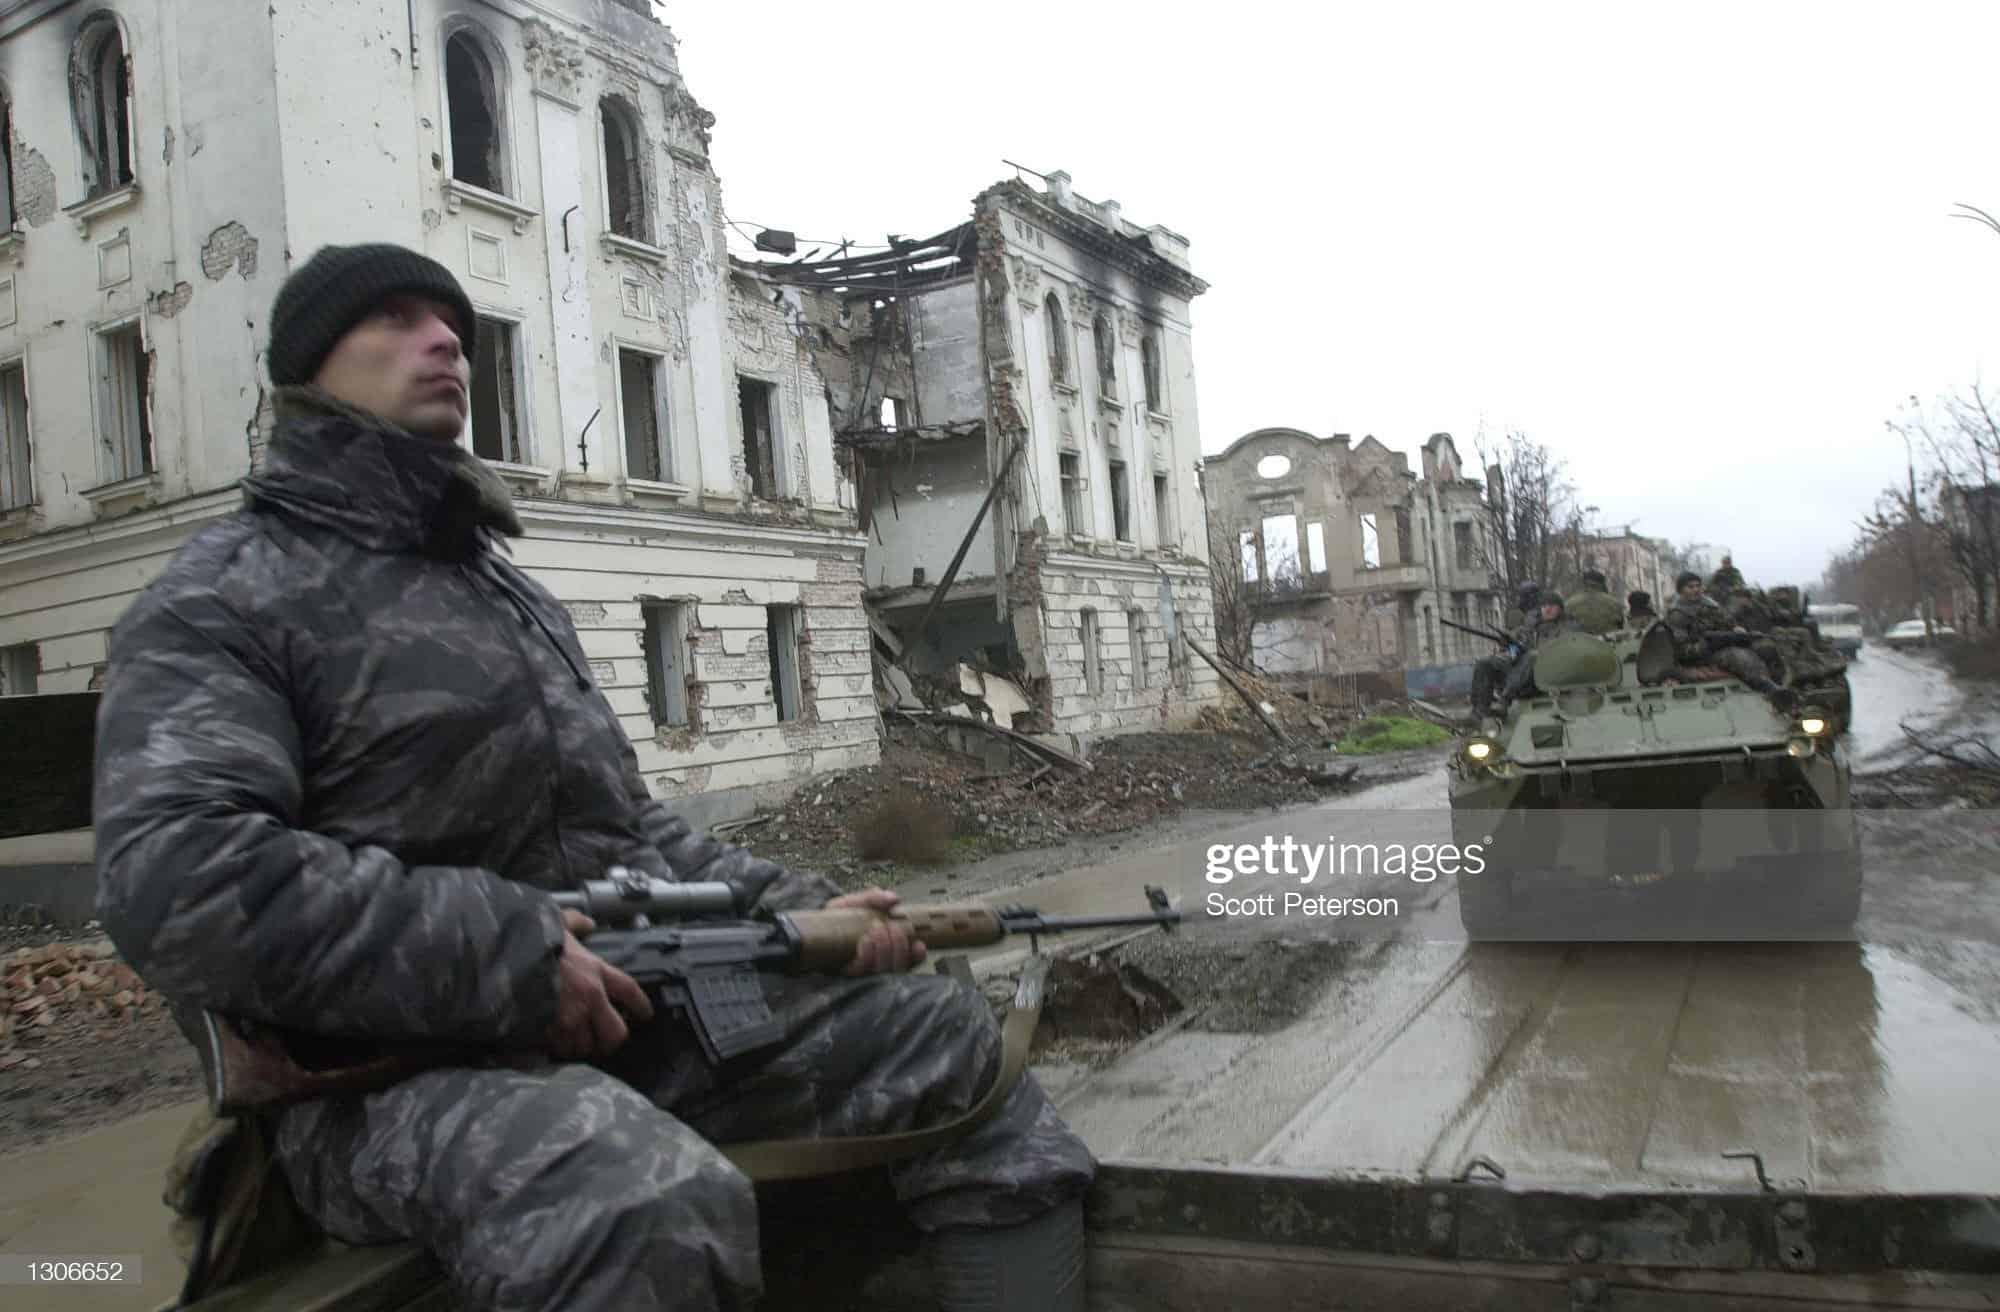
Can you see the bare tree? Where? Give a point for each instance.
(1232, 577)
(1535, 525)
(1963, 443)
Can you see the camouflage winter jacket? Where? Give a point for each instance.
(344, 741)
(1688, 622)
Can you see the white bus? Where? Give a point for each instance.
(1840, 624)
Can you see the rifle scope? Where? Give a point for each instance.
(626, 893)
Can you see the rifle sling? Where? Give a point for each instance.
(798, 1159)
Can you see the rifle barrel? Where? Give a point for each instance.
(1057, 924)
(1491, 634)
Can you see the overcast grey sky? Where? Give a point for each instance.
(1702, 252)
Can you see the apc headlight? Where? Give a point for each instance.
(1800, 747)
(1482, 751)
(1814, 723)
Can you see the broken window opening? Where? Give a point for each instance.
(496, 404)
(1149, 361)
(1163, 510)
(760, 442)
(667, 661)
(1135, 637)
(1106, 350)
(101, 100)
(7, 162)
(17, 468)
(1093, 670)
(781, 631)
(472, 95)
(1246, 545)
(125, 430)
(1058, 339)
(1121, 507)
(892, 415)
(1371, 544)
(1281, 548)
(643, 399)
(1316, 547)
(20, 669)
(1405, 540)
(1072, 492)
(624, 182)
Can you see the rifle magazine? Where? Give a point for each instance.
(729, 1012)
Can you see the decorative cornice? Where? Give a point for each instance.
(1081, 232)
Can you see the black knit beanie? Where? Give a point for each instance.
(329, 294)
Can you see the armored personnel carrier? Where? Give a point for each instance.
(1627, 776)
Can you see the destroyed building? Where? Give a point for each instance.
(660, 423)
(1630, 563)
(1015, 398)
(1342, 559)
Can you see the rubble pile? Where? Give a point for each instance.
(927, 804)
(67, 991)
(1294, 714)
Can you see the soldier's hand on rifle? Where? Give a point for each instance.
(590, 995)
(887, 947)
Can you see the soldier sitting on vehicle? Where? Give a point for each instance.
(1594, 609)
(1814, 666)
(1725, 582)
(1703, 636)
(1490, 672)
(1552, 621)
(1639, 612)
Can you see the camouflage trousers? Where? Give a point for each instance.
(572, 1187)
(1488, 674)
(1742, 662)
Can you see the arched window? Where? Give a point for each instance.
(624, 181)
(1058, 339)
(473, 105)
(100, 83)
(1149, 360)
(1106, 349)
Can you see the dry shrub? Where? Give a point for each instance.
(903, 829)
(1975, 658)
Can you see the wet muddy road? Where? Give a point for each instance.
(1865, 1065)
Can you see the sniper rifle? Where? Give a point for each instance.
(702, 960)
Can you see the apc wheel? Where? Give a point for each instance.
(1486, 904)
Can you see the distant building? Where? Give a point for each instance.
(1015, 399)
(1348, 560)
(1630, 563)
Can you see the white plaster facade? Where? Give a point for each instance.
(1050, 321)
(258, 134)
